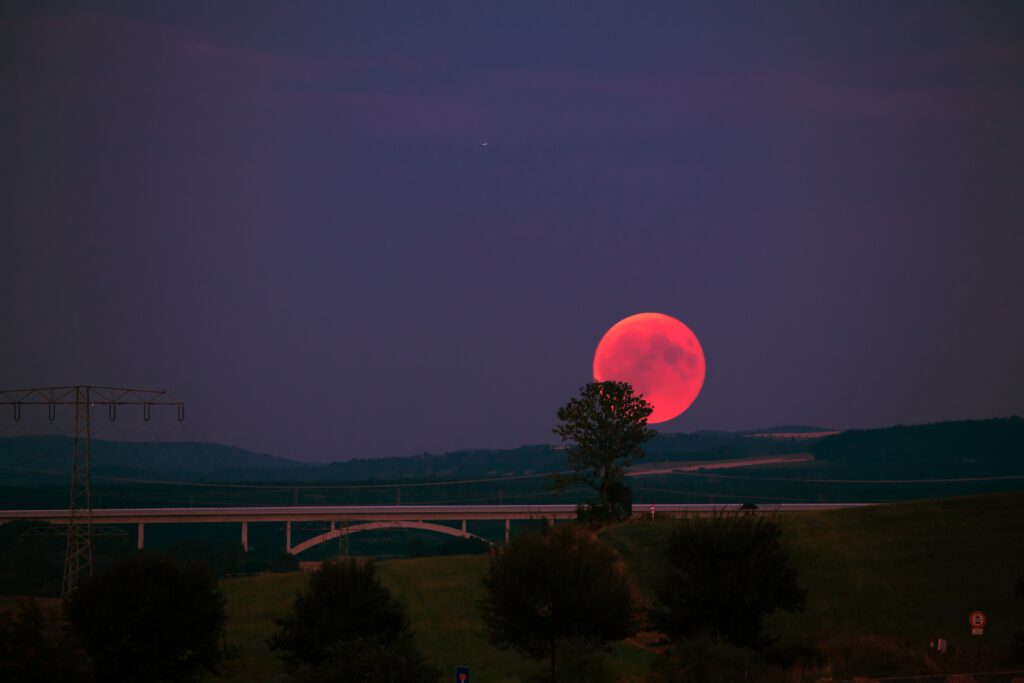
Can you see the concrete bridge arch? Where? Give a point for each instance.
(373, 526)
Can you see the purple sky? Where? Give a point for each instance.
(289, 219)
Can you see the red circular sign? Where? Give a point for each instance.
(978, 619)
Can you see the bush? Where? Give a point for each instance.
(369, 660)
(853, 654)
(727, 574)
(549, 588)
(30, 565)
(347, 626)
(707, 659)
(598, 515)
(581, 663)
(37, 649)
(149, 617)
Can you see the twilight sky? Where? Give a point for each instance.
(286, 214)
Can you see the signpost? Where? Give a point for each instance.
(978, 621)
(462, 674)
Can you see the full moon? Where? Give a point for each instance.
(659, 356)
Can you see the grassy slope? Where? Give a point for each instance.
(914, 570)
(252, 605)
(441, 594)
(48, 605)
(910, 570)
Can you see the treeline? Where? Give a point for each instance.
(44, 459)
(542, 458)
(989, 442)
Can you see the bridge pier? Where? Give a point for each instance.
(142, 534)
(245, 536)
(464, 528)
(288, 536)
(508, 531)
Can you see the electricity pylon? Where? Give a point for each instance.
(78, 552)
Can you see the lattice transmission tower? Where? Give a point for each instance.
(84, 397)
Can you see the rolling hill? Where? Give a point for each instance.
(882, 582)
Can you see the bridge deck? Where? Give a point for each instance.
(308, 513)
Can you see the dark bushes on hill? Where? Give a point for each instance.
(727, 574)
(148, 617)
(347, 626)
(36, 648)
(551, 590)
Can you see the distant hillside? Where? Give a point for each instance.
(948, 448)
(542, 458)
(996, 443)
(458, 464)
(47, 458)
(788, 429)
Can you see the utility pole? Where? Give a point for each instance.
(78, 552)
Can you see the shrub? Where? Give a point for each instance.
(37, 649)
(149, 617)
(708, 659)
(727, 574)
(552, 587)
(347, 626)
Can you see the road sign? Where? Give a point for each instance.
(462, 674)
(977, 621)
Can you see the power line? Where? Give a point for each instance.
(289, 487)
(83, 397)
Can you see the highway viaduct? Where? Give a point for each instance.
(358, 518)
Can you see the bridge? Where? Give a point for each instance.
(373, 517)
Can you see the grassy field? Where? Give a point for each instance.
(887, 580)
(881, 583)
(441, 595)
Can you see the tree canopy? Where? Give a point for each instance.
(603, 429)
(727, 574)
(348, 626)
(36, 648)
(148, 617)
(549, 588)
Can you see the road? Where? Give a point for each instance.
(691, 466)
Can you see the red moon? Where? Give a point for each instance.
(659, 356)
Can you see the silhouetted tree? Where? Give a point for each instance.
(604, 429)
(348, 626)
(33, 564)
(552, 587)
(149, 617)
(36, 648)
(727, 574)
(30, 565)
